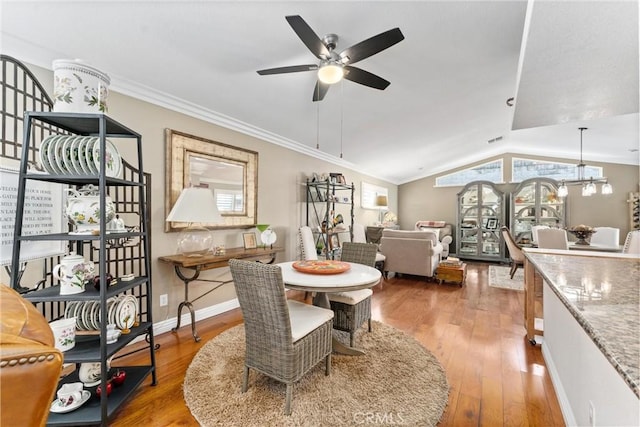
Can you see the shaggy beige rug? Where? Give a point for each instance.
(499, 277)
(397, 382)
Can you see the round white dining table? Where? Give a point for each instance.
(358, 276)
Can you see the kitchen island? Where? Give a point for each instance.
(591, 332)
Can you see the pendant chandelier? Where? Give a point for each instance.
(588, 184)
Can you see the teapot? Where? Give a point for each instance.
(83, 209)
(73, 271)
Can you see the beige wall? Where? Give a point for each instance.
(420, 200)
(281, 173)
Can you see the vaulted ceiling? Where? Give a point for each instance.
(566, 63)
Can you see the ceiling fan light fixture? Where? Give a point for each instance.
(330, 72)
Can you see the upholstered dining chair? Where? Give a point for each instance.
(352, 308)
(606, 236)
(534, 232)
(284, 338)
(360, 236)
(632, 243)
(515, 252)
(553, 238)
(307, 244)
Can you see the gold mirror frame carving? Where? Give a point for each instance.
(179, 146)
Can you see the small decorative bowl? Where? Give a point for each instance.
(582, 233)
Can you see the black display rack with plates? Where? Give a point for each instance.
(98, 247)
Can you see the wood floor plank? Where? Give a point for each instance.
(477, 333)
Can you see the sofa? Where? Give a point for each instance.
(442, 229)
(411, 252)
(30, 365)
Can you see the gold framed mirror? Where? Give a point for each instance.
(230, 172)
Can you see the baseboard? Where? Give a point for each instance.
(565, 407)
(185, 319)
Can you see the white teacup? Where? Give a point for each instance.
(70, 393)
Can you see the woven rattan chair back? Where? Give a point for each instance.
(360, 253)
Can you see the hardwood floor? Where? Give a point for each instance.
(476, 331)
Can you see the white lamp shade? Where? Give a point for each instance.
(195, 205)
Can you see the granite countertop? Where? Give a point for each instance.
(602, 292)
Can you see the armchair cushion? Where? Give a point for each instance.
(411, 252)
(443, 230)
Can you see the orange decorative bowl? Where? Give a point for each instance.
(321, 267)
(582, 233)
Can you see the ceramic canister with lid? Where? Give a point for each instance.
(79, 87)
(83, 209)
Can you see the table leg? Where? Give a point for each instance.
(193, 319)
(321, 299)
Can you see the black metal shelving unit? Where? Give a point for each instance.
(323, 198)
(91, 348)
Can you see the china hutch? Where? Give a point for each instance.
(480, 214)
(535, 201)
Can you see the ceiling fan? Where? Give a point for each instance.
(334, 66)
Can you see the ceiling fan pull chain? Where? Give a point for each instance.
(341, 113)
(318, 123)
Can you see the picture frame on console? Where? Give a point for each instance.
(249, 240)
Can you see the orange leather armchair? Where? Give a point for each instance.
(30, 365)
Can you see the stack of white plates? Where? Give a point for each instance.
(122, 311)
(78, 155)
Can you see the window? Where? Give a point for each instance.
(229, 201)
(526, 168)
(491, 172)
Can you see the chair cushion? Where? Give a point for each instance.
(380, 257)
(351, 297)
(305, 318)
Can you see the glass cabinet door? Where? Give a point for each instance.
(481, 213)
(535, 202)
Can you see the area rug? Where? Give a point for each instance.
(499, 277)
(397, 382)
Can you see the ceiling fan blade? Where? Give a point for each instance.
(320, 90)
(358, 75)
(371, 46)
(290, 69)
(308, 37)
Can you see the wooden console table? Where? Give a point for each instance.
(208, 262)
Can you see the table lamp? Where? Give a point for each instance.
(195, 206)
(381, 203)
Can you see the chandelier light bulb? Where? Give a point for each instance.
(591, 188)
(607, 188)
(563, 191)
(585, 190)
(330, 73)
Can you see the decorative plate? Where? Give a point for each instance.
(44, 152)
(82, 157)
(321, 267)
(51, 155)
(58, 154)
(113, 161)
(88, 154)
(67, 162)
(268, 237)
(125, 313)
(57, 407)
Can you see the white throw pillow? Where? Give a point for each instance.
(436, 231)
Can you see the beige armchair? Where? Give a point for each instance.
(411, 252)
(443, 230)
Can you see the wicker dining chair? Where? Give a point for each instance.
(284, 338)
(352, 308)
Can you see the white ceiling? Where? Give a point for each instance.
(450, 77)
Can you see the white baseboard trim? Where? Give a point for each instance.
(185, 320)
(565, 407)
(203, 313)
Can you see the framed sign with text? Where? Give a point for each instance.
(43, 214)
